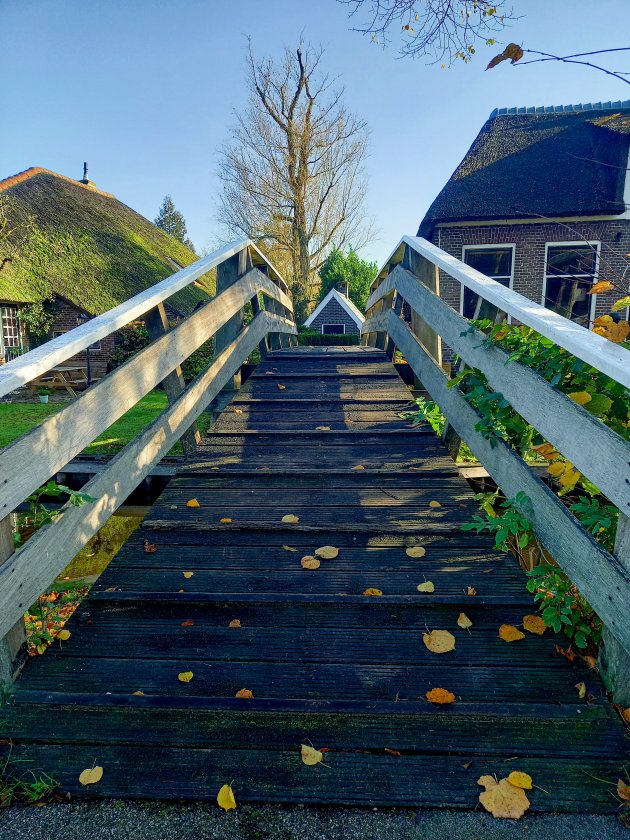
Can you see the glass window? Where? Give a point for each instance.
(10, 327)
(333, 329)
(569, 275)
(494, 262)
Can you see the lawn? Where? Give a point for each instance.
(17, 418)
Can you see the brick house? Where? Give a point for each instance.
(336, 314)
(541, 203)
(79, 252)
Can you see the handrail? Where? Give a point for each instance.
(30, 461)
(23, 369)
(410, 277)
(594, 349)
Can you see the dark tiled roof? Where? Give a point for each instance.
(527, 162)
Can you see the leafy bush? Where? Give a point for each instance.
(311, 338)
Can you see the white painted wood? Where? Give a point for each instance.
(25, 575)
(611, 359)
(21, 370)
(602, 578)
(597, 451)
(13, 653)
(29, 462)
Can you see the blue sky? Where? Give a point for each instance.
(144, 91)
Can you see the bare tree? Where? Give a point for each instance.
(446, 30)
(292, 169)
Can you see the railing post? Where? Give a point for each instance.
(256, 308)
(428, 274)
(228, 272)
(13, 652)
(390, 346)
(614, 659)
(157, 324)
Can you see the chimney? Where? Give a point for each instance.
(86, 179)
(344, 288)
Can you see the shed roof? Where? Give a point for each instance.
(559, 161)
(353, 311)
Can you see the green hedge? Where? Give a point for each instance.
(311, 338)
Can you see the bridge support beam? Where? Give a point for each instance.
(614, 659)
(13, 653)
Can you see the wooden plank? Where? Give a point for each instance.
(61, 436)
(597, 451)
(229, 273)
(156, 321)
(426, 275)
(612, 359)
(600, 576)
(614, 659)
(261, 775)
(25, 576)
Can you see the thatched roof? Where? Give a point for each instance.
(540, 162)
(87, 247)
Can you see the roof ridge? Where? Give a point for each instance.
(32, 171)
(556, 109)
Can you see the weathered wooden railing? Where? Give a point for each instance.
(243, 276)
(411, 275)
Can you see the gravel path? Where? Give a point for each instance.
(124, 820)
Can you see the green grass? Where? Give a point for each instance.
(17, 418)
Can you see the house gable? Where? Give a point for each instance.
(336, 308)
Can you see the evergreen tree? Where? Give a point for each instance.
(172, 222)
(339, 269)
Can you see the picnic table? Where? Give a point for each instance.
(63, 376)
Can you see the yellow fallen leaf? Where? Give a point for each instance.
(509, 633)
(427, 586)
(440, 696)
(544, 449)
(244, 693)
(91, 775)
(310, 562)
(322, 428)
(310, 755)
(327, 552)
(289, 548)
(290, 519)
(185, 676)
(226, 798)
(435, 504)
(358, 467)
(282, 387)
(238, 411)
(623, 790)
(225, 521)
(534, 624)
(470, 590)
(580, 397)
(570, 478)
(235, 623)
(557, 468)
(625, 714)
(63, 635)
(188, 574)
(520, 780)
(581, 690)
(372, 591)
(415, 551)
(502, 799)
(192, 503)
(464, 622)
(138, 693)
(439, 641)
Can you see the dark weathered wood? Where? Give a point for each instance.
(228, 273)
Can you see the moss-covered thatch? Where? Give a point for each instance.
(87, 247)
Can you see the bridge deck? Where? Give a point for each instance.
(327, 665)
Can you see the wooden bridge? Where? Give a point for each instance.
(313, 452)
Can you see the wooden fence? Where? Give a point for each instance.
(411, 275)
(243, 276)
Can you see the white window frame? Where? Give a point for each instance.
(487, 246)
(580, 242)
(3, 348)
(332, 324)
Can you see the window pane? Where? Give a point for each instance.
(493, 262)
(333, 329)
(568, 297)
(10, 326)
(470, 298)
(576, 259)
